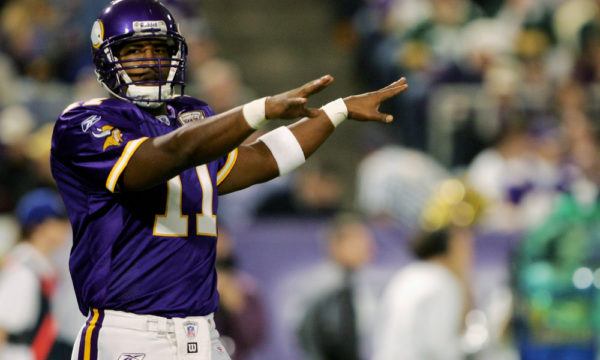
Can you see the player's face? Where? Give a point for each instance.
(53, 232)
(146, 49)
(354, 246)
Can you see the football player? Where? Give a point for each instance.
(140, 173)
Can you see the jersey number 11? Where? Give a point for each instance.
(173, 222)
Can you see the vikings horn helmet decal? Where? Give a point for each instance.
(126, 20)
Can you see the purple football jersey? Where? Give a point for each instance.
(149, 252)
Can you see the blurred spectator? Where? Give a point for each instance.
(240, 318)
(527, 164)
(585, 14)
(8, 95)
(556, 290)
(556, 269)
(335, 313)
(64, 301)
(429, 49)
(394, 182)
(507, 166)
(214, 79)
(423, 307)
(220, 84)
(28, 327)
(315, 192)
(9, 234)
(424, 304)
(17, 173)
(26, 33)
(86, 86)
(38, 152)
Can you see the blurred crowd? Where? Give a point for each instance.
(503, 97)
(504, 90)
(46, 64)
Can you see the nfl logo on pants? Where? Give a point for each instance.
(191, 332)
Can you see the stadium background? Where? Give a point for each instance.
(514, 78)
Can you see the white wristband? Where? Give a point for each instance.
(285, 148)
(254, 113)
(336, 111)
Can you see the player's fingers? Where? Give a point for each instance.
(387, 93)
(384, 118)
(296, 101)
(398, 82)
(310, 112)
(315, 86)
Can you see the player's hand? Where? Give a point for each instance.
(292, 104)
(365, 107)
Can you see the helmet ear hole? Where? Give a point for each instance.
(173, 48)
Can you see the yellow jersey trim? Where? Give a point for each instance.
(115, 173)
(226, 169)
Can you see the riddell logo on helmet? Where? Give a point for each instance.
(146, 25)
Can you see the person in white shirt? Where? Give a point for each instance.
(423, 307)
(28, 327)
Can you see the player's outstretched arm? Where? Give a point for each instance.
(159, 159)
(256, 162)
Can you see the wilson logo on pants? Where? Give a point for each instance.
(192, 348)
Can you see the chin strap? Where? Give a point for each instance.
(143, 93)
(144, 104)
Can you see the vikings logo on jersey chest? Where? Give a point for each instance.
(114, 136)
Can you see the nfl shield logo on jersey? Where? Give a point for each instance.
(163, 119)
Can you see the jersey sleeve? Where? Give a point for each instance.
(225, 166)
(96, 144)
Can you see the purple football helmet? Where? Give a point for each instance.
(126, 20)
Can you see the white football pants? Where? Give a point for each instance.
(117, 335)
